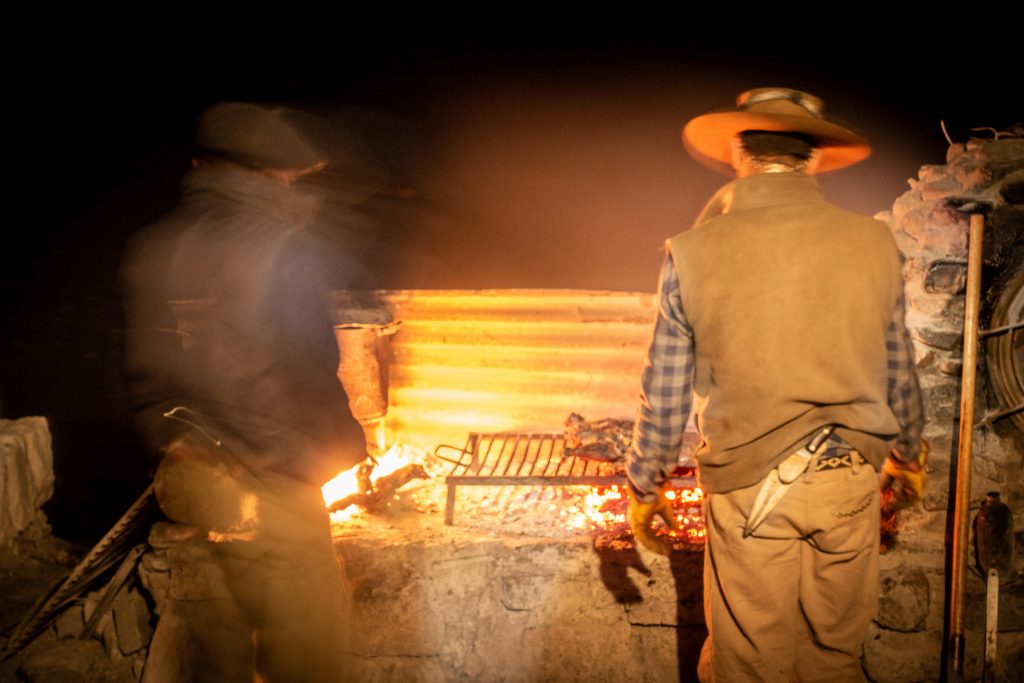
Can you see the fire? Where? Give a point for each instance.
(596, 507)
(686, 503)
(574, 509)
(347, 483)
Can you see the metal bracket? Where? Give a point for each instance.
(1001, 330)
(998, 415)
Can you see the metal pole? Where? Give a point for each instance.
(988, 674)
(964, 454)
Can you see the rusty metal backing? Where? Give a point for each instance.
(519, 459)
(1004, 357)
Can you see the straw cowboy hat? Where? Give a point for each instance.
(774, 109)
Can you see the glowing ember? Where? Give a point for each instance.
(603, 508)
(531, 510)
(594, 508)
(347, 483)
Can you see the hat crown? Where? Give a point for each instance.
(780, 100)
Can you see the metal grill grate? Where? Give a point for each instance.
(514, 459)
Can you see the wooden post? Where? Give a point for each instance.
(962, 507)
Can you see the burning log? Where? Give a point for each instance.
(373, 495)
(604, 441)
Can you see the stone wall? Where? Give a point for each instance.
(467, 607)
(433, 603)
(906, 643)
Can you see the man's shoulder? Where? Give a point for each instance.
(868, 225)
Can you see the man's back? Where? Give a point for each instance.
(233, 269)
(789, 299)
(233, 362)
(784, 315)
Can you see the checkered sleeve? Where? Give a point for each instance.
(904, 391)
(665, 391)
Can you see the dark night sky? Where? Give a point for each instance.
(559, 152)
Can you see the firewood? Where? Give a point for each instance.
(376, 494)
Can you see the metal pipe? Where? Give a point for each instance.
(1001, 330)
(966, 441)
(988, 674)
(999, 415)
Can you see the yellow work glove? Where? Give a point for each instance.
(641, 515)
(907, 479)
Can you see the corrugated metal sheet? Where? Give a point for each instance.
(510, 360)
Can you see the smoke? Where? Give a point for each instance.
(574, 177)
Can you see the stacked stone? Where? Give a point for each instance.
(932, 231)
(26, 474)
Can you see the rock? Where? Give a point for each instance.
(139, 664)
(70, 623)
(132, 621)
(955, 151)
(905, 600)
(937, 338)
(1010, 657)
(73, 661)
(936, 498)
(1012, 192)
(946, 277)
(973, 177)
(939, 188)
(155, 576)
(26, 472)
(167, 662)
(953, 368)
(1005, 151)
(941, 402)
(495, 610)
(889, 655)
(1011, 603)
(928, 306)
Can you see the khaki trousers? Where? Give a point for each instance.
(794, 600)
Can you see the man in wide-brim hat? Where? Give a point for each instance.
(780, 110)
(782, 316)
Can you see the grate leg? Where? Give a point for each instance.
(449, 508)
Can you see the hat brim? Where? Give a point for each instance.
(710, 136)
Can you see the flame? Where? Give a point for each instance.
(347, 483)
(577, 508)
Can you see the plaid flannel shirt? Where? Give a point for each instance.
(667, 382)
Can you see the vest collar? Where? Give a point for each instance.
(760, 190)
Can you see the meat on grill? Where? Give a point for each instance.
(605, 440)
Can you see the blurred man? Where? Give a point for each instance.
(233, 362)
(783, 314)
